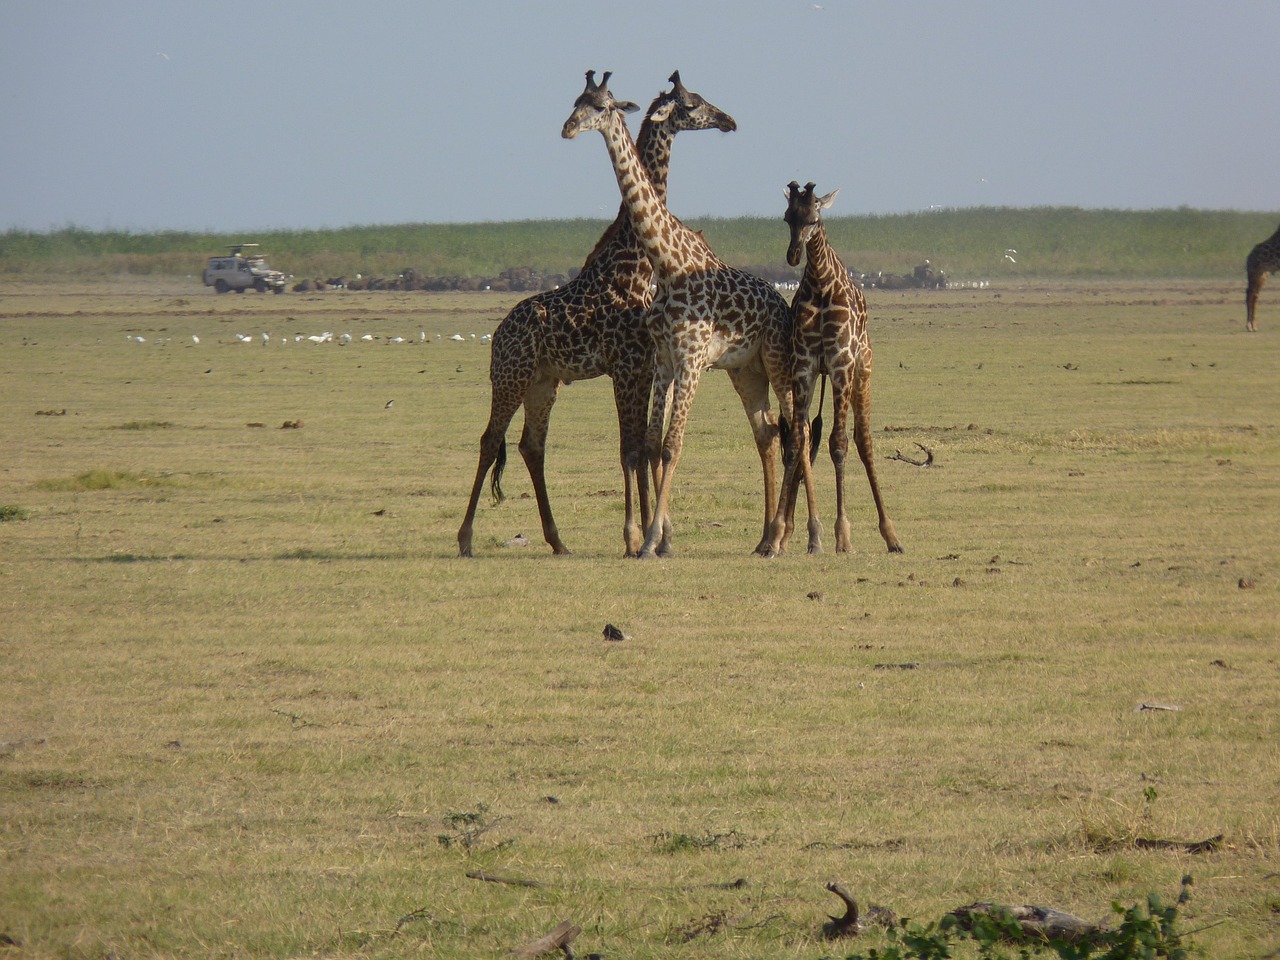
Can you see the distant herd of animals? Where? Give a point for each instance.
(653, 307)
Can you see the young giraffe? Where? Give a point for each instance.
(829, 336)
(704, 314)
(1263, 259)
(591, 326)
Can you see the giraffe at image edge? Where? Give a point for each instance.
(1263, 259)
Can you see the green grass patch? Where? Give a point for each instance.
(99, 478)
(10, 512)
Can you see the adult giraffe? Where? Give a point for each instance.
(1263, 259)
(704, 314)
(829, 337)
(591, 326)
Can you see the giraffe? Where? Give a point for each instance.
(829, 338)
(591, 326)
(704, 314)
(1263, 259)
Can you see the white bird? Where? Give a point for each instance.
(346, 338)
(141, 339)
(486, 338)
(243, 337)
(194, 338)
(387, 405)
(457, 336)
(266, 338)
(367, 336)
(396, 340)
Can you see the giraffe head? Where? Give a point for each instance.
(595, 107)
(804, 214)
(681, 109)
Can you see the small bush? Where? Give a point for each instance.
(10, 512)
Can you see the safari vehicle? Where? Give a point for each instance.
(240, 271)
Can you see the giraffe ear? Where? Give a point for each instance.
(626, 106)
(662, 111)
(825, 202)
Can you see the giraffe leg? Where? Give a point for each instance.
(778, 532)
(502, 409)
(663, 380)
(630, 392)
(685, 385)
(862, 439)
(838, 444)
(538, 402)
(811, 494)
(752, 386)
(806, 472)
(1257, 278)
(797, 467)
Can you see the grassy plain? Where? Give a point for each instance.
(255, 705)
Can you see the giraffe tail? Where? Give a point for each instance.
(495, 482)
(815, 427)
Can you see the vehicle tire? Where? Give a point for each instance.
(280, 289)
(220, 286)
(239, 289)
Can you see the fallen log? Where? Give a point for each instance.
(557, 939)
(1190, 846)
(1041, 922)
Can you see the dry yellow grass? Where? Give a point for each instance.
(250, 688)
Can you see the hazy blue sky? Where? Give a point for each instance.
(166, 114)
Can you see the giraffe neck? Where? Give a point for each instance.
(654, 147)
(619, 243)
(654, 225)
(822, 265)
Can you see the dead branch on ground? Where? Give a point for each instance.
(509, 881)
(926, 462)
(851, 924)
